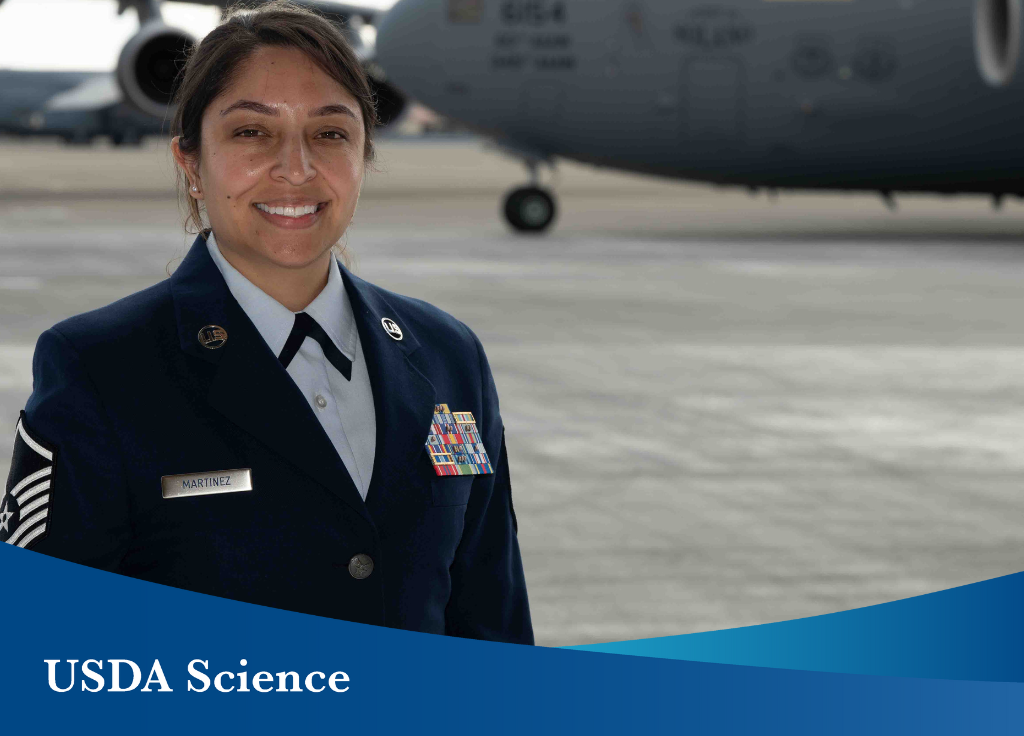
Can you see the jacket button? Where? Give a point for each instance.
(360, 566)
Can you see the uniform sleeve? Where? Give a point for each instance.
(488, 586)
(66, 494)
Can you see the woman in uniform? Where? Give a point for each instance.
(264, 425)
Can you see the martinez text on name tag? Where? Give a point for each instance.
(205, 484)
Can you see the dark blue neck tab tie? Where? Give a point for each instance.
(305, 326)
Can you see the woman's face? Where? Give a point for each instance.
(283, 135)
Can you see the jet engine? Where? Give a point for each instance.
(149, 63)
(152, 58)
(997, 39)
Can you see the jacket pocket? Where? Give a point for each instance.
(451, 490)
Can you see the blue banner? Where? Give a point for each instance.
(354, 678)
(973, 632)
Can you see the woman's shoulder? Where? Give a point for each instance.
(429, 323)
(122, 321)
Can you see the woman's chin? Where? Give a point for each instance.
(295, 253)
(298, 262)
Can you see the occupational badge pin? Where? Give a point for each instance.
(454, 444)
(213, 337)
(392, 328)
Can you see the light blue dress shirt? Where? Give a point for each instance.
(344, 408)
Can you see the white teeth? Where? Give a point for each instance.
(286, 211)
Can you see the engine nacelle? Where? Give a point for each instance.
(152, 58)
(149, 63)
(997, 39)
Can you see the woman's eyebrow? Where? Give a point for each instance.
(252, 106)
(336, 109)
(262, 109)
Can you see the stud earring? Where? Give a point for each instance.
(195, 188)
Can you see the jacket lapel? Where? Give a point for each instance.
(250, 386)
(403, 398)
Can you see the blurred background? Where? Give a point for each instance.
(753, 304)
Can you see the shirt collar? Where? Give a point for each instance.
(331, 308)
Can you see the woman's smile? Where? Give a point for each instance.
(292, 216)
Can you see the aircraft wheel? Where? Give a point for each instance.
(126, 138)
(530, 209)
(78, 138)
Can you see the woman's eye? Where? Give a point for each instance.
(334, 135)
(248, 133)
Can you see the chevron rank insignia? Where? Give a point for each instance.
(454, 444)
(25, 500)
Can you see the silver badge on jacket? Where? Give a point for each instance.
(206, 484)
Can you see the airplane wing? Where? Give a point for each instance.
(93, 93)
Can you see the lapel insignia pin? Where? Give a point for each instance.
(213, 337)
(454, 444)
(392, 328)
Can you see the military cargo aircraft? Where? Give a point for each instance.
(884, 95)
(881, 95)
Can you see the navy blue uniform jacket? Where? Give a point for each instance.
(127, 394)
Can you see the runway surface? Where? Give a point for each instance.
(720, 411)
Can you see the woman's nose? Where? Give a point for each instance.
(295, 161)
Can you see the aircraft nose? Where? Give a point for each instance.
(409, 45)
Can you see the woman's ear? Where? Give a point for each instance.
(186, 164)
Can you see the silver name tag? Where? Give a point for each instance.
(205, 484)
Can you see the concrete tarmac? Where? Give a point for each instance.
(720, 411)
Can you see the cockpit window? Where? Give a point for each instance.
(465, 11)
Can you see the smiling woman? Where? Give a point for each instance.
(274, 102)
(277, 157)
(308, 440)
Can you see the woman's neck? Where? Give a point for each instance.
(295, 288)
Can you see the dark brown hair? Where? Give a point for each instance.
(212, 64)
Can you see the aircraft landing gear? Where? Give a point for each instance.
(126, 137)
(530, 209)
(78, 137)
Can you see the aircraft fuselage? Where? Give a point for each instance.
(879, 94)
